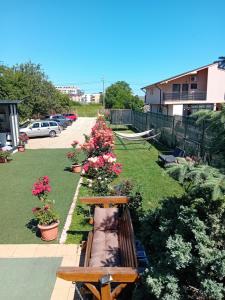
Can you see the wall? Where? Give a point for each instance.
(152, 95)
(178, 110)
(216, 84)
(201, 81)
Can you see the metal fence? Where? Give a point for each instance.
(121, 116)
(175, 130)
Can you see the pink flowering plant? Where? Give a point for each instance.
(101, 170)
(101, 140)
(75, 155)
(44, 214)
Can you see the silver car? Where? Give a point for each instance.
(40, 128)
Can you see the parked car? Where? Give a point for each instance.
(60, 117)
(62, 123)
(72, 117)
(40, 128)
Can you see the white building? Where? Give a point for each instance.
(91, 98)
(73, 92)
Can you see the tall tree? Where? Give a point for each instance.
(120, 95)
(28, 81)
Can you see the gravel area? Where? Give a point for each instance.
(75, 132)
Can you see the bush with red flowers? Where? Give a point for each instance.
(45, 215)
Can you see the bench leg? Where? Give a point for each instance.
(106, 292)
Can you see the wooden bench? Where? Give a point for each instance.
(107, 281)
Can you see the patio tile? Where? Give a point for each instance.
(46, 250)
(7, 250)
(24, 251)
(71, 293)
(68, 250)
(69, 261)
(60, 294)
(61, 289)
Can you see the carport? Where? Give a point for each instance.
(9, 125)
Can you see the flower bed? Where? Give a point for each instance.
(100, 166)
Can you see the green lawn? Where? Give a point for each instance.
(141, 167)
(16, 180)
(87, 110)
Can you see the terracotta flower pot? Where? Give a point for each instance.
(76, 168)
(3, 160)
(21, 148)
(49, 232)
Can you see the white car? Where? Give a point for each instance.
(40, 128)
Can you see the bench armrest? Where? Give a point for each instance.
(106, 200)
(94, 274)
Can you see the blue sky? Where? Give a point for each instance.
(80, 42)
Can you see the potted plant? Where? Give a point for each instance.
(47, 218)
(75, 156)
(4, 156)
(23, 138)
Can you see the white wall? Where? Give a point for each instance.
(178, 110)
(216, 84)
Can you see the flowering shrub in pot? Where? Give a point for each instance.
(75, 156)
(4, 156)
(23, 139)
(47, 218)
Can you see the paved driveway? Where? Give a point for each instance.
(75, 132)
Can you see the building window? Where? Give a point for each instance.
(194, 86)
(4, 119)
(176, 87)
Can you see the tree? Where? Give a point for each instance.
(119, 95)
(28, 82)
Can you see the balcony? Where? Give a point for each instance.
(183, 96)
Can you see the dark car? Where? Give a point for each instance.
(61, 123)
(61, 117)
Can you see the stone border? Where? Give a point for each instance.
(63, 237)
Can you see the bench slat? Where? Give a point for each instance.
(106, 201)
(88, 249)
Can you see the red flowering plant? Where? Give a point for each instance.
(101, 170)
(45, 215)
(75, 155)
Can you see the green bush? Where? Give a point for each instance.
(185, 241)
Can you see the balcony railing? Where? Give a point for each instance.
(184, 96)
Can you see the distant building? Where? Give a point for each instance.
(91, 98)
(73, 92)
(184, 94)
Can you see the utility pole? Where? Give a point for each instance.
(103, 92)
